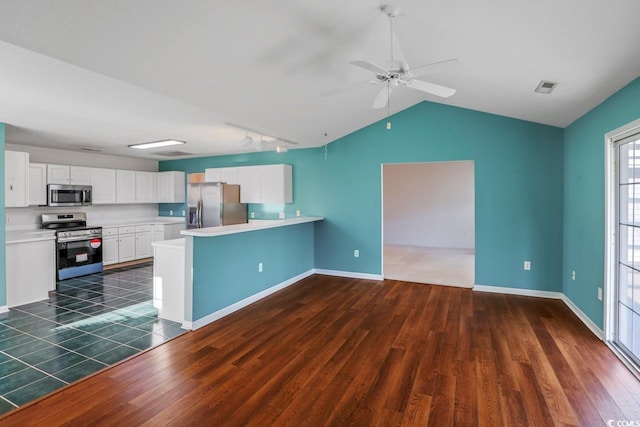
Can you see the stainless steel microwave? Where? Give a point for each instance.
(68, 195)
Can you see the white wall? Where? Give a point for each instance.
(79, 158)
(429, 204)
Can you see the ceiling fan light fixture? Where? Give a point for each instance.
(156, 144)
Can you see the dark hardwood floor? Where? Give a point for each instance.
(335, 351)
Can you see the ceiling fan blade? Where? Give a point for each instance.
(432, 88)
(345, 88)
(369, 66)
(446, 66)
(382, 98)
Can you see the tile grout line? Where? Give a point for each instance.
(122, 315)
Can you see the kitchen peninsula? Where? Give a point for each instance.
(226, 268)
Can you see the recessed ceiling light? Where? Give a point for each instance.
(546, 86)
(156, 144)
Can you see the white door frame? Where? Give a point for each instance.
(611, 219)
(382, 165)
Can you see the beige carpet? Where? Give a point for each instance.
(437, 266)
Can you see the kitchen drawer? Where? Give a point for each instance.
(127, 230)
(158, 228)
(110, 231)
(143, 228)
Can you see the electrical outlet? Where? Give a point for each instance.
(298, 212)
(281, 215)
(259, 267)
(527, 265)
(170, 212)
(573, 275)
(253, 214)
(183, 213)
(356, 253)
(600, 294)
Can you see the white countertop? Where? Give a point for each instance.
(31, 235)
(252, 225)
(37, 234)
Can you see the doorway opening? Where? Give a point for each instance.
(428, 223)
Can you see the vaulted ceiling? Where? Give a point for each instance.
(102, 75)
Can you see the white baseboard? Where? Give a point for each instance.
(245, 302)
(519, 291)
(4, 309)
(349, 274)
(546, 294)
(585, 319)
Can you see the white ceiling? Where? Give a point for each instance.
(106, 74)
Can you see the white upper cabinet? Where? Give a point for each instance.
(170, 187)
(16, 179)
(249, 180)
(276, 184)
(79, 175)
(226, 175)
(145, 187)
(266, 184)
(58, 174)
(103, 182)
(212, 175)
(125, 186)
(63, 174)
(37, 184)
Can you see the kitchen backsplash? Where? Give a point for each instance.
(20, 218)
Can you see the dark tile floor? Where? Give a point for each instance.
(91, 322)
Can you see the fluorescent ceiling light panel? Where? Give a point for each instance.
(156, 144)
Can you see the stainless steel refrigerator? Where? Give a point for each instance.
(211, 204)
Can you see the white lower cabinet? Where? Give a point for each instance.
(109, 249)
(26, 284)
(129, 243)
(167, 231)
(126, 243)
(143, 241)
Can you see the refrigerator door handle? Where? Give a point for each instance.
(200, 213)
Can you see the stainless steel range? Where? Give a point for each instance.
(78, 247)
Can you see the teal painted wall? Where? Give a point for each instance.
(225, 268)
(3, 276)
(584, 203)
(518, 177)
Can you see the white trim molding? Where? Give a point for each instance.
(546, 294)
(245, 302)
(585, 319)
(4, 309)
(518, 291)
(349, 274)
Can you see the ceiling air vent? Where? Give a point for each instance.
(546, 86)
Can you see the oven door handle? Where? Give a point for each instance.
(78, 239)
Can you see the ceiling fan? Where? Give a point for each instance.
(399, 73)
